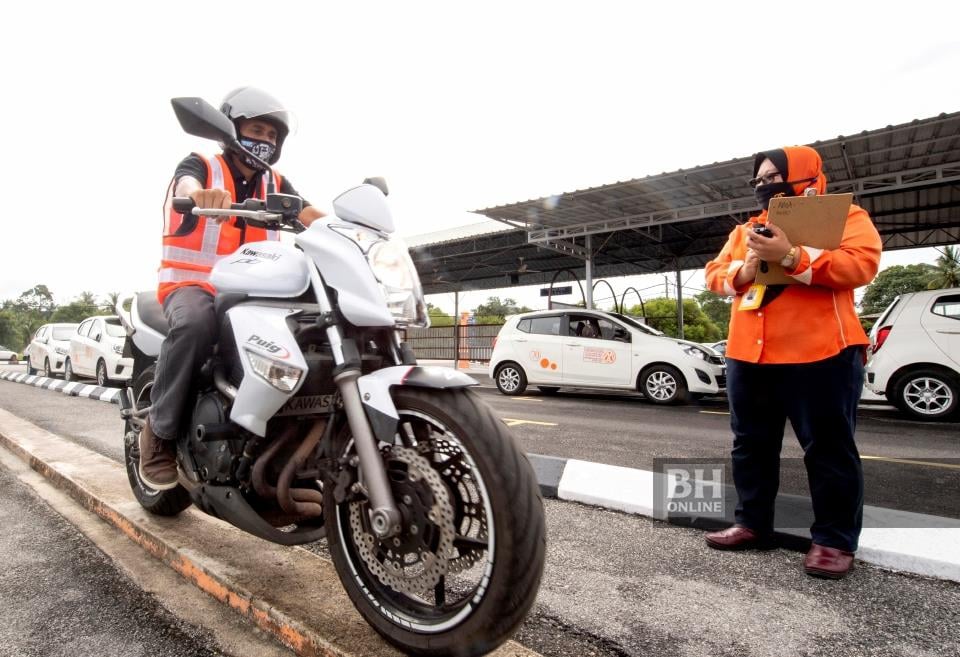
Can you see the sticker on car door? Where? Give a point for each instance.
(602, 356)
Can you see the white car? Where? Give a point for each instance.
(596, 349)
(8, 356)
(915, 354)
(49, 348)
(96, 350)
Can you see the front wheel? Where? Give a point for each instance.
(664, 384)
(103, 380)
(465, 568)
(159, 502)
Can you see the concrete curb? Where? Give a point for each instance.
(292, 594)
(899, 540)
(73, 388)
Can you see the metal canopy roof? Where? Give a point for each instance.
(906, 176)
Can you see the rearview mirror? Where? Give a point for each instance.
(199, 118)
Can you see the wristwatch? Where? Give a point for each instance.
(790, 259)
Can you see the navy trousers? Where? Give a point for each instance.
(193, 329)
(820, 400)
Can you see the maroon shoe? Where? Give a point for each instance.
(739, 537)
(828, 562)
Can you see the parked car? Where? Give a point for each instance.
(915, 354)
(96, 350)
(719, 347)
(596, 349)
(8, 356)
(49, 348)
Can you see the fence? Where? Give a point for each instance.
(466, 342)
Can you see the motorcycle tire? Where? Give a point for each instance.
(498, 530)
(158, 502)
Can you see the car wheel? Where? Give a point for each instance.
(46, 368)
(927, 394)
(102, 379)
(510, 379)
(30, 369)
(548, 390)
(664, 384)
(68, 371)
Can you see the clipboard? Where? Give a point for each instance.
(816, 221)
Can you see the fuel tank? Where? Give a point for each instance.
(263, 269)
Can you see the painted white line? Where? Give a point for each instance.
(512, 422)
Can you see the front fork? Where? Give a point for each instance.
(384, 514)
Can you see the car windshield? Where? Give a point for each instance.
(63, 332)
(114, 329)
(634, 323)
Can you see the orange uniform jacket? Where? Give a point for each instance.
(188, 259)
(813, 319)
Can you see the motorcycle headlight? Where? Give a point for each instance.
(391, 264)
(280, 375)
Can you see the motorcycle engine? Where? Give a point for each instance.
(216, 455)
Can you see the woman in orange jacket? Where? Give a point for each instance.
(797, 353)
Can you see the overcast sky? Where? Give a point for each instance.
(460, 106)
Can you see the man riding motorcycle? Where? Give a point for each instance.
(191, 246)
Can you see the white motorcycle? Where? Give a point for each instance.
(312, 420)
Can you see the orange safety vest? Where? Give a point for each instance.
(188, 259)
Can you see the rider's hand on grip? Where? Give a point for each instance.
(212, 198)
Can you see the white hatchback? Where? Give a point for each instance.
(915, 354)
(48, 349)
(596, 349)
(96, 350)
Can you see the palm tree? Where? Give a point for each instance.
(947, 272)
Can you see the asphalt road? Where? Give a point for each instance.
(62, 596)
(912, 466)
(620, 585)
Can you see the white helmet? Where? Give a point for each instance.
(253, 103)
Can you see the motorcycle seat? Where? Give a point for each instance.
(151, 312)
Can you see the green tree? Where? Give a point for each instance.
(494, 311)
(717, 308)
(37, 300)
(892, 282)
(77, 310)
(947, 272)
(662, 315)
(109, 306)
(438, 317)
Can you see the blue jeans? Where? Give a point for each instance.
(820, 400)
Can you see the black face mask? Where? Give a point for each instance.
(262, 149)
(766, 192)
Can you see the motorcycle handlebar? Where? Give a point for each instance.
(253, 210)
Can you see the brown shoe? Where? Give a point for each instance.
(822, 561)
(158, 460)
(739, 537)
